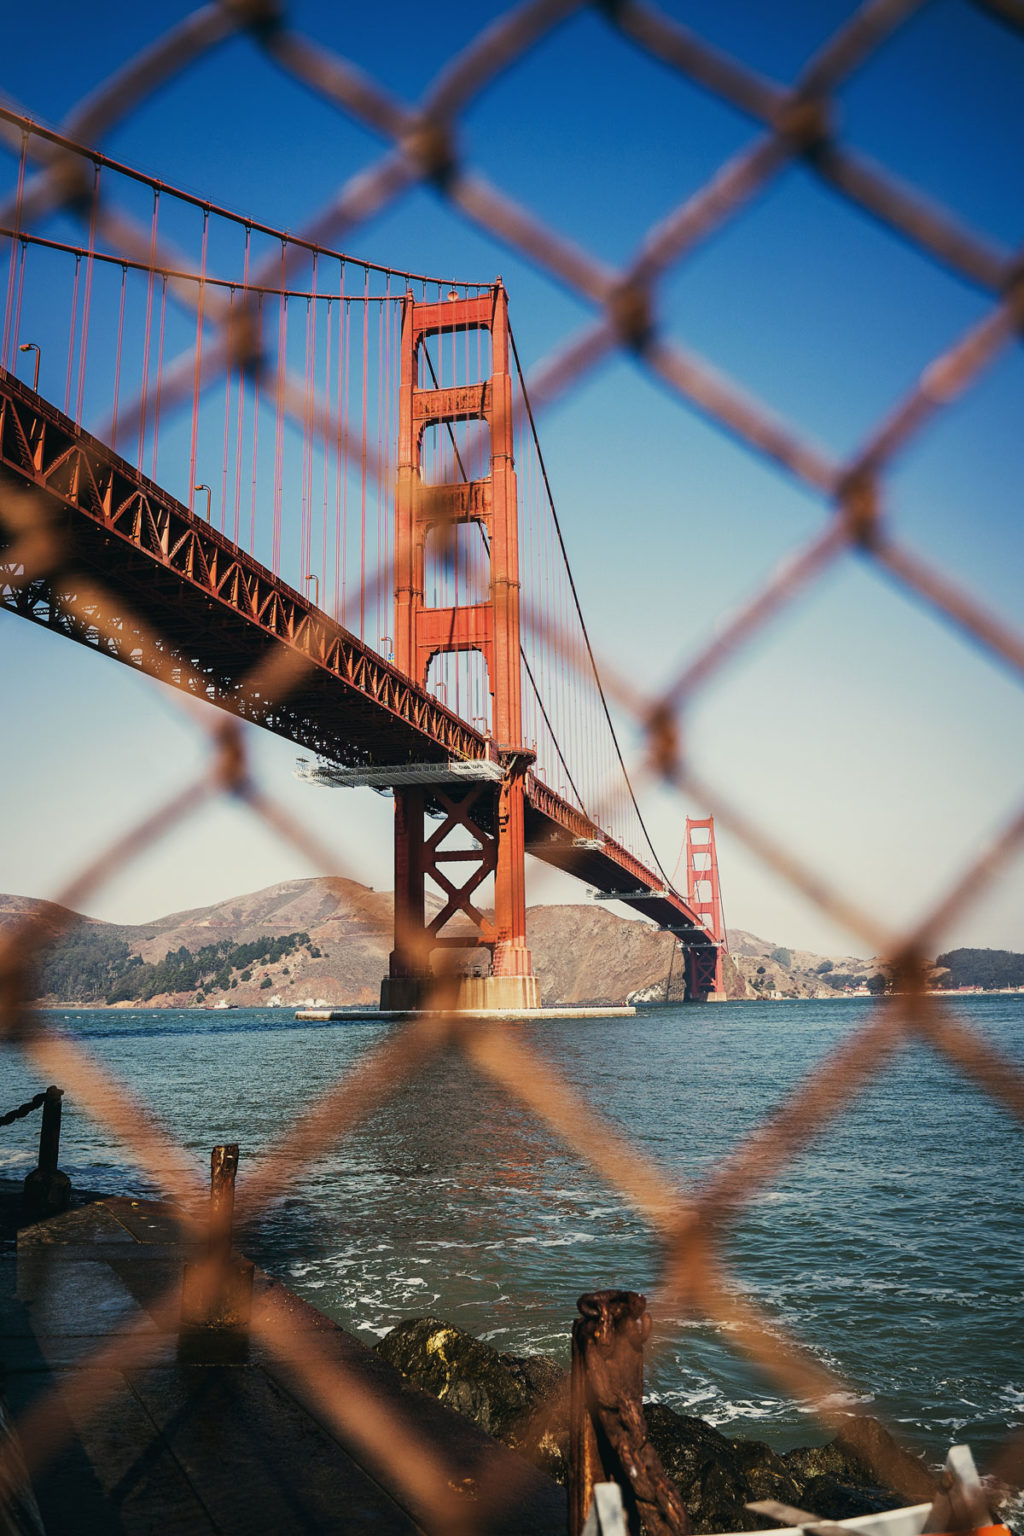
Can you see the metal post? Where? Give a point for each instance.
(223, 1167)
(30, 346)
(216, 1300)
(209, 498)
(49, 1131)
(47, 1190)
(607, 1432)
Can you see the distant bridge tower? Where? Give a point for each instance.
(704, 896)
(491, 810)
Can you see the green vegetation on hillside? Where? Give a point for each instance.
(91, 966)
(982, 968)
(84, 964)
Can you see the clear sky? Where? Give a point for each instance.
(868, 735)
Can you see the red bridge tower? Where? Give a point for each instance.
(490, 810)
(704, 896)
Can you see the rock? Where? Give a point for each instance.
(866, 1462)
(837, 1484)
(834, 1499)
(717, 1477)
(523, 1401)
(501, 1393)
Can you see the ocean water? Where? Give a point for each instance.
(891, 1249)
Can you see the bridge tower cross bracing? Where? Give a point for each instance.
(492, 815)
(704, 897)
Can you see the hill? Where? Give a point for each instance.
(988, 968)
(771, 969)
(324, 941)
(327, 941)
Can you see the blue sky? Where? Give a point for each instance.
(869, 736)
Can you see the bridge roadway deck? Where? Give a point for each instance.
(184, 603)
(202, 1449)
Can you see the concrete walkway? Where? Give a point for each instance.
(178, 1450)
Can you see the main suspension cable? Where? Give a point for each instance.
(579, 612)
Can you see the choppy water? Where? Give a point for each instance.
(892, 1248)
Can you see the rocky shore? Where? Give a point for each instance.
(523, 1401)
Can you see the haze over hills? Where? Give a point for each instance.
(327, 942)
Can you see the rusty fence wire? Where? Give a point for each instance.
(796, 123)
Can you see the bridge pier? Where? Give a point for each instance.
(491, 821)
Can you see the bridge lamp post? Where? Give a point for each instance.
(316, 590)
(389, 654)
(30, 346)
(209, 495)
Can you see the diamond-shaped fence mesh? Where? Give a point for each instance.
(797, 125)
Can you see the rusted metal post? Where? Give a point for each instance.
(607, 1431)
(223, 1168)
(49, 1131)
(47, 1190)
(216, 1302)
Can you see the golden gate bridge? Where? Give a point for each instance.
(312, 493)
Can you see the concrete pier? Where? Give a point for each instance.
(198, 1449)
(323, 1015)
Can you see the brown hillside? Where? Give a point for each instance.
(582, 953)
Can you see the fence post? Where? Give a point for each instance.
(607, 1431)
(216, 1303)
(47, 1190)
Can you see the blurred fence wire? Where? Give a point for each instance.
(795, 123)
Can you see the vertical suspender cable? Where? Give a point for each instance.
(240, 416)
(229, 373)
(197, 370)
(306, 510)
(159, 372)
(282, 359)
(87, 297)
(256, 395)
(362, 499)
(309, 443)
(21, 286)
(71, 336)
(379, 477)
(339, 426)
(344, 503)
(386, 582)
(9, 336)
(117, 358)
(326, 442)
(147, 330)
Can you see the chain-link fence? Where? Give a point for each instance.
(797, 125)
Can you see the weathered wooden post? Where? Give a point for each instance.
(607, 1431)
(47, 1190)
(216, 1303)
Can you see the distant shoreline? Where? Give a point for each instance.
(832, 997)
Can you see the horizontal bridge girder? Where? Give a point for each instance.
(461, 402)
(471, 315)
(457, 502)
(454, 629)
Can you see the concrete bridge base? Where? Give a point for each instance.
(474, 994)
